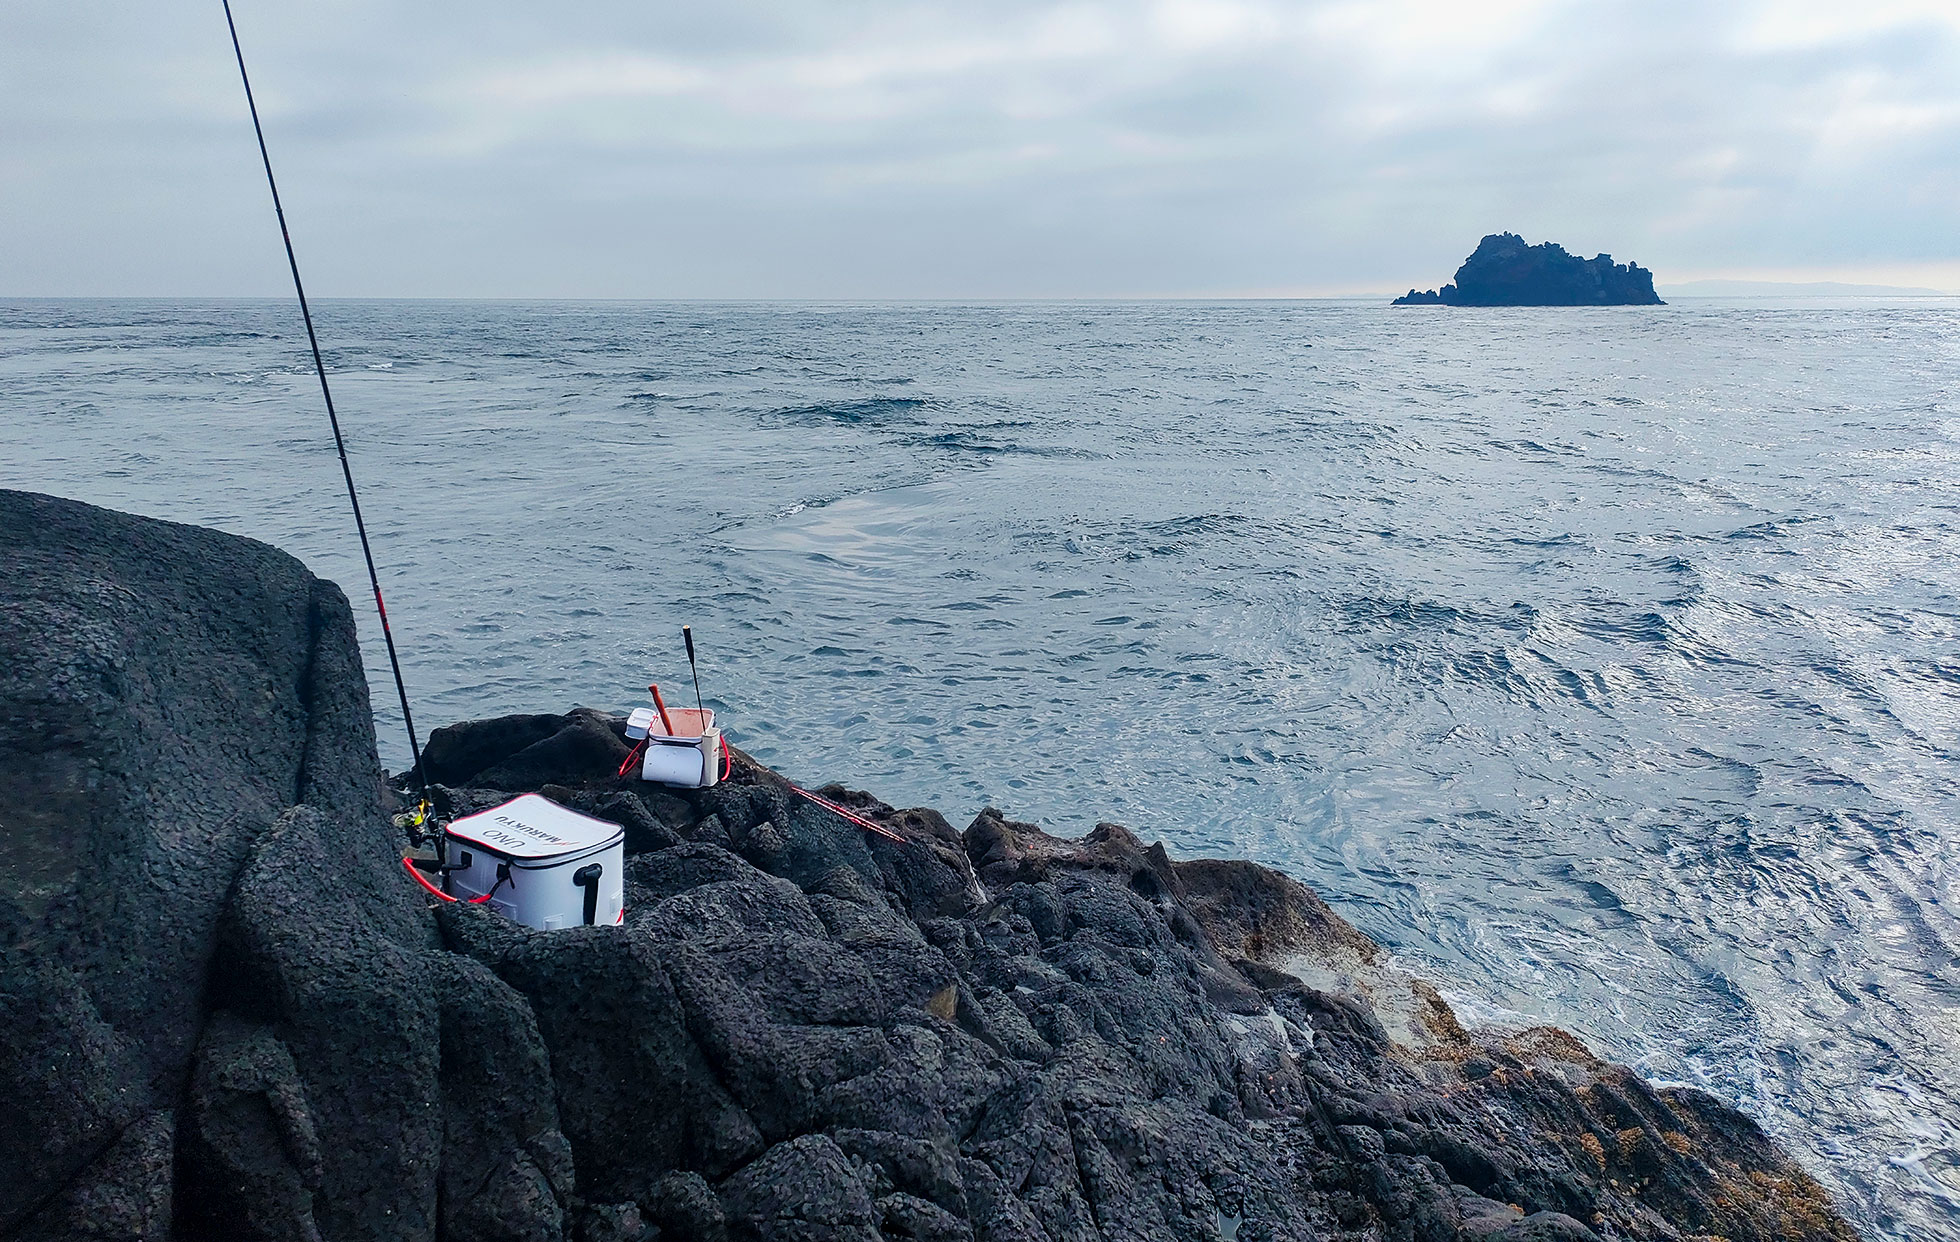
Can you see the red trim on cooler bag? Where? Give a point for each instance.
(408, 865)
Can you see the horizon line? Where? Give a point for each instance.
(1679, 288)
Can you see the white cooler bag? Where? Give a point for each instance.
(539, 864)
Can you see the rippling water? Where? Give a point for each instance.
(1603, 663)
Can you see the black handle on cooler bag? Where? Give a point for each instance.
(587, 878)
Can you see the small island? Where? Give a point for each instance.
(1506, 271)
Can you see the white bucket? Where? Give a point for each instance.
(688, 757)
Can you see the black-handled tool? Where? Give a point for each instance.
(687, 636)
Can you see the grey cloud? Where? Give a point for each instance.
(907, 149)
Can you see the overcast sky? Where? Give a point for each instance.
(866, 148)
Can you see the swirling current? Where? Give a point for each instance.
(1603, 663)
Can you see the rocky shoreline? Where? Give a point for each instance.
(224, 1012)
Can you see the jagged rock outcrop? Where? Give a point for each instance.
(1506, 271)
(224, 1013)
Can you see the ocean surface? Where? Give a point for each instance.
(1603, 663)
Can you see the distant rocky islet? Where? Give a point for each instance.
(1505, 270)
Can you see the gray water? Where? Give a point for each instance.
(1605, 664)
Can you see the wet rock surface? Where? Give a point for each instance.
(801, 1030)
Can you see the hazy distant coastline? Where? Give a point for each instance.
(1796, 289)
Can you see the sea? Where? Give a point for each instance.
(1603, 664)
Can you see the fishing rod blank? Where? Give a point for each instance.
(326, 393)
(687, 636)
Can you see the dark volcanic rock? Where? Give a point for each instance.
(526, 750)
(801, 1030)
(1504, 271)
(165, 694)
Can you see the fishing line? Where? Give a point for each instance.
(326, 393)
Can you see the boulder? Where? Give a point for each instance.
(166, 693)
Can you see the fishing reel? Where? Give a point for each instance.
(420, 823)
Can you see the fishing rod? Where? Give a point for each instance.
(354, 500)
(687, 636)
(339, 443)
